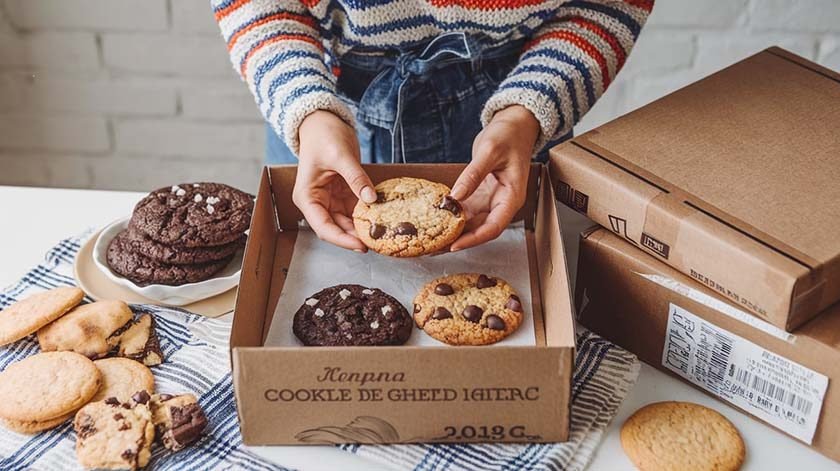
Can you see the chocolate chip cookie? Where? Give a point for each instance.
(86, 329)
(179, 420)
(411, 217)
(194, 214)
(351, 315)
(138, 242)
(144, 271)
(468, 309)
(122, 378)
(138, 341)
(112, 434)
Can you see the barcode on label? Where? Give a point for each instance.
(720, 356)
(774, 391)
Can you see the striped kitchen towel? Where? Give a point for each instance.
(197, 361)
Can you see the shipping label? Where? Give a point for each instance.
(781, 392)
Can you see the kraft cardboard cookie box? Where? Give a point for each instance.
(787, 380)
(316, 395)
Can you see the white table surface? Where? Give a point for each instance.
(34, 219)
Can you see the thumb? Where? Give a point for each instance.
(358, 181)
(471, 177)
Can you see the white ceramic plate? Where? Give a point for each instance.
(171, 295)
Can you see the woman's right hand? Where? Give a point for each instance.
(330, 179)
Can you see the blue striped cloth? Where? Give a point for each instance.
(197, 361)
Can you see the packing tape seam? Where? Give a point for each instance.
(719, 306)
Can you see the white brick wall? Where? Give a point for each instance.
(137, 94)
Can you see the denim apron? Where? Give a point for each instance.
(422, 105)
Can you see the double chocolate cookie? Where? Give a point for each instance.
(144, 271)
(182, 234)
(136, 241)
(468, 309)
(351, 315)
(411, 217)
(194, 214)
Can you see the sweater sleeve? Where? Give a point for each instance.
(569, 63)
(276, 48)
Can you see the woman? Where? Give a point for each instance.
(489, 82)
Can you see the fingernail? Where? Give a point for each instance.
(454, 249)
(368, 195)
(358, 250)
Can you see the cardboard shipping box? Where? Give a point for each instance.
(316, 395)
(678, 326)
(733, 180)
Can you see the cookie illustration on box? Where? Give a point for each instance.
(411, 217)
(351, 315)
(468, 309)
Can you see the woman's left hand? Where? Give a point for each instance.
(493, 186)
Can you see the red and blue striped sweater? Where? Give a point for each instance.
(575, 48)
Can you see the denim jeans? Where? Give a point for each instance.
(419, 106)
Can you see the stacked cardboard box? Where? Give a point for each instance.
(719, 258)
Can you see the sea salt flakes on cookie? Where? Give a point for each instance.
(349, 315)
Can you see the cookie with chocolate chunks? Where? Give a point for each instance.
(179, 420)
(111, 434)
(351, 315)
(138, 340)
(411, 217)
(468, 309)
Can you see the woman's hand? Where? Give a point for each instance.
(330, 179)
(493, 186)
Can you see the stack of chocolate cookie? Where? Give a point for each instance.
(182, 234)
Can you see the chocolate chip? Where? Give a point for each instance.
(124, 426)
(513, 303)
(118, 416)
(165, 397)
(405, 228)
(441, 313)
(485, 281)
(112, 401)
(85, 426)
(126, 406)
(417, 308)
(141, 397)
(450, 204)
(380, 197)
(127, 455)
(495, 322)
(472, 313)
(377, 231)
(444, 289)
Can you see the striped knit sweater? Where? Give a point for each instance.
(289, 51)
